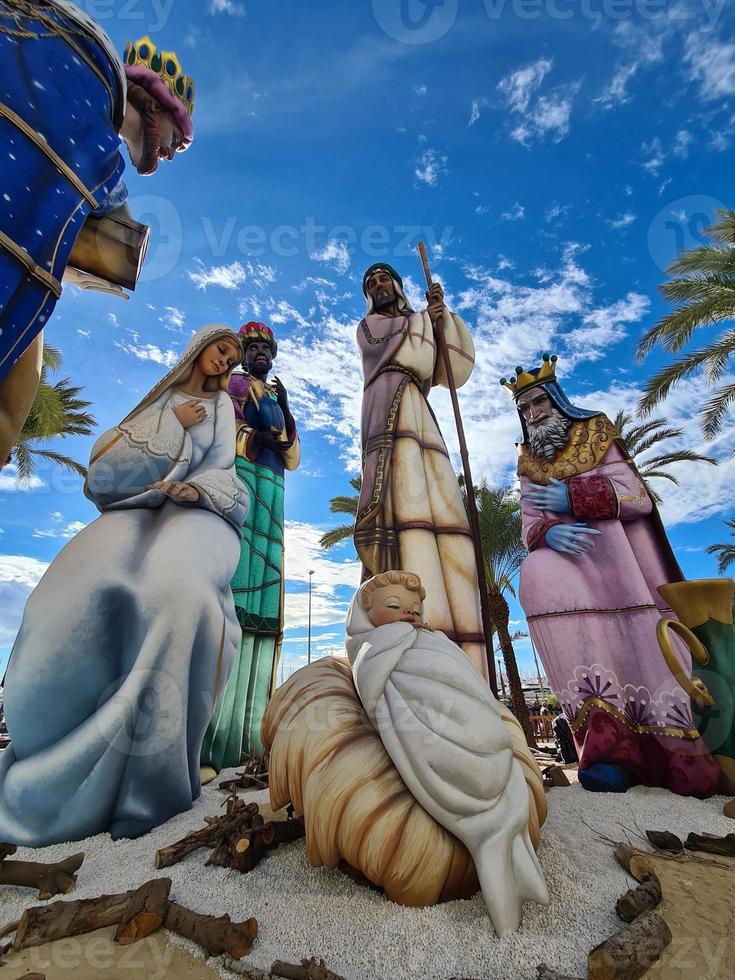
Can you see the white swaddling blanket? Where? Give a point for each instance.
(441, 726)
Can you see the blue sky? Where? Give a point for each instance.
(553, 153)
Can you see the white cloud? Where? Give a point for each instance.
(712, 65)
(519, 87)
(60, 532)
(430, 166)
(173, 318)
(474, 112)
(113, 320)
(227, 276)
(333, 581)
(642, 48)
(542, 116)
(622, 220)
(682, 143)
(19, 575)
(226, 7)
(656, 156)
(85, 333)
(420, 89)
(335, 254)
(10, 483)
(516, 213)
(149, 352)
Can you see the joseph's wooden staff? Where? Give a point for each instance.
(469, 485)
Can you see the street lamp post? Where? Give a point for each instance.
(500, 675)
(308, 649)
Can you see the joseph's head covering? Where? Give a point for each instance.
(403, 304)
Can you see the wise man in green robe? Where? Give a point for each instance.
(267, 446)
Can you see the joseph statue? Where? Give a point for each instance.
(411, 516)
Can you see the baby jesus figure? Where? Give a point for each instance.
(442, 727)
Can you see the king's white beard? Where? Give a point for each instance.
(549, 439)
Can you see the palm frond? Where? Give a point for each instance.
(714, 411)
(52, 358)
(337, 535)
(677, 456)
(344, 505)
(724, 230)
(704, 259)
(675, 329)
(66, 462)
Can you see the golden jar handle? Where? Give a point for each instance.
(694, 687)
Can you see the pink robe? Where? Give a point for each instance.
(593, 620)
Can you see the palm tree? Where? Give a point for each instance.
(725, 552)
(57, 411)
(647, 435)
(343, 505)
(503, 551)
(705, 291)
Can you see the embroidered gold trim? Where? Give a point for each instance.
(634, 726)
(589, 441)
(50, 282)
(43, 146)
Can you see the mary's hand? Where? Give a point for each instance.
(554, 497)
(191, 413)
(571, 539)
(176, 490)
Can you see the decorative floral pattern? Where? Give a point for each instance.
(640, 708)
(589, 441)
(593, 498)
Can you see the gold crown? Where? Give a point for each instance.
(525, 379)
(168, 68)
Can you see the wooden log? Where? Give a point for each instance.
(145, 912)
(641, 899)
(288, 830)
(49, 879)
(629, 953)
(216, 935)
(239, 815)
(45, 923)
(662, 840)
(710, 845)
(244, 781)
(543, 972)
(10, 927)
(243, 970)
(634, 862)
(312, 969)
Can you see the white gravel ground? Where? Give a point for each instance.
(306, 912)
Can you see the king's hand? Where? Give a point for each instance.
(553, 497)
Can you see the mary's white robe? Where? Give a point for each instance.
(130, 635)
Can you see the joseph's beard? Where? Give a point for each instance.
(383, 300)
(549, 439)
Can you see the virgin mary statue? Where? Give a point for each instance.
(129, 637)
